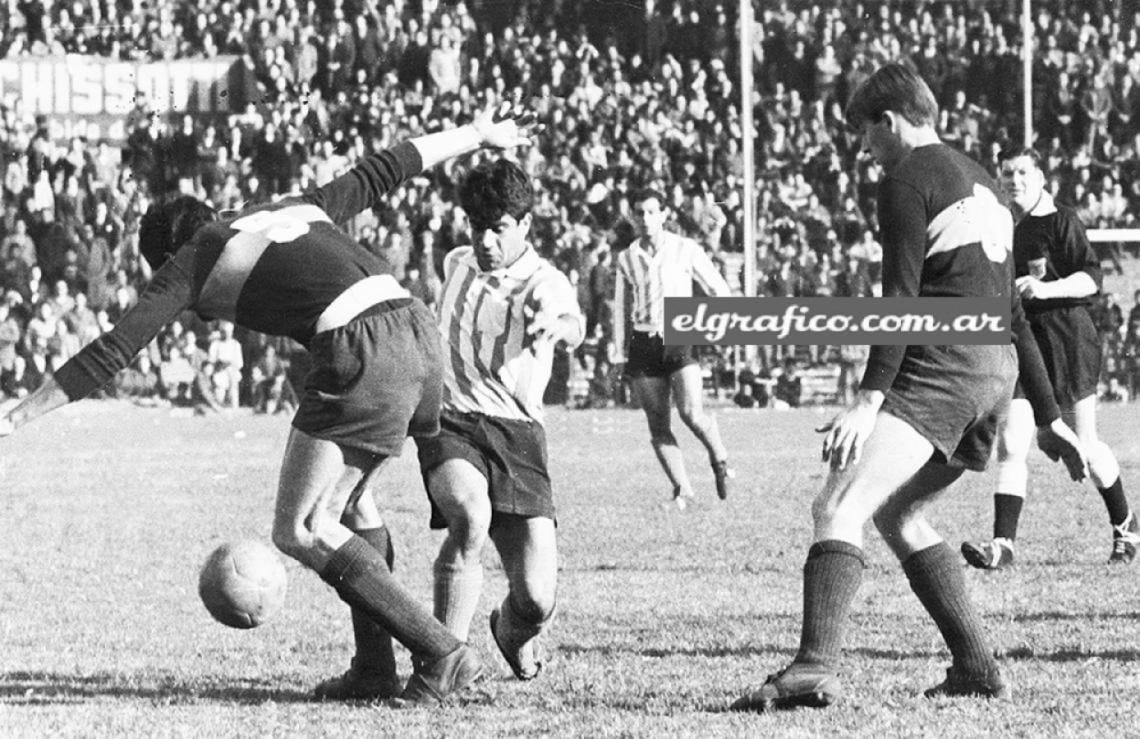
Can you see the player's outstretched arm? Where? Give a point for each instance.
(44, 399)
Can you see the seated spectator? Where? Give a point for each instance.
(1115, 392)
(272, 391)
(138, 382)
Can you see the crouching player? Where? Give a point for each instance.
(286, 269)
(502, 310)
(923, 414)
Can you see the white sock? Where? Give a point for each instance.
(456, 594)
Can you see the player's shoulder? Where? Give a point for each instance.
(460, 255)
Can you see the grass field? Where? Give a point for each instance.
(108, 511)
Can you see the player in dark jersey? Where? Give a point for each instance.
(1058, 273)
(286, 269)
(923, 414)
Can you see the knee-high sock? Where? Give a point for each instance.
(936, 577)
(373, 642)
(833, 573)
(362, 579)
(456, 594)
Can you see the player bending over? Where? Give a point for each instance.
(923, 414)
(659, 265)
(286, 269)
(1057, 273)
(502, 310)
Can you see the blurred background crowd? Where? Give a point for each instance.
(630, 93)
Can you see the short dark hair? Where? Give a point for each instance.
(648, 193)
(895, 87)
(170, 224)
(1015, 152)
(494, 189)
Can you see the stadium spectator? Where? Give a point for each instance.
(226, 364)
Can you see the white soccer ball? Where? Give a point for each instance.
(242, 584)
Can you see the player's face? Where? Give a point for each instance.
(649, 218)
(500, 244)
(882, 142)
(1023, 181)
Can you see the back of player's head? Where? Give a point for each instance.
(647, 193)
(168, 225)
(1016, 152)
(494, 189)
(895, 87)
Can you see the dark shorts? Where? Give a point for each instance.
(649, 357)
(510, 454)
(1070, 346)
(954, 396)
(376, 380)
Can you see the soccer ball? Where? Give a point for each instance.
(242, 584)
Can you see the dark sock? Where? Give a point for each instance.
(1115, 502)
(832, 575)
(936, 578)
(362, 579)
(373, 642)
(1007, 512)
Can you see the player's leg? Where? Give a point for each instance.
(688, 392)
(372, 673)
(833, 572)
(653, 394)
(1015, 437)
(1105, 473)
(935, 576)
(316, 483)
(529, 550)
(460, 493)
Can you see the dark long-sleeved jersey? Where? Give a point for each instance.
(1059, 240)
(271, 268)
(946, 232)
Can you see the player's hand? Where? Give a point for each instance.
(505, 126)
(1059, 442)
(546, 327)
(849, 430)
(1032, 288)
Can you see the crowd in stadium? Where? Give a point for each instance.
(630, 95)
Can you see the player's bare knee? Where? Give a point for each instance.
(292, 539)
(1103, 467)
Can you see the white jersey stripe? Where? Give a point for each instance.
(494, 368)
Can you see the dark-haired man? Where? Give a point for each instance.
(923, 414)
(286, 269)
(1058, 274)
(658, 265)
(501, 313)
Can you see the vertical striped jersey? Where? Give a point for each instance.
(650, 277)
(491, 365)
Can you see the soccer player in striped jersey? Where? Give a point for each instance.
(923, 414)
(502, 311)
(1058, 274)
(658, 265)
(286, 269)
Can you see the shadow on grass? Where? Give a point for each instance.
(1073, 655)
(755, 650)
(39, 688)
(1070, 616)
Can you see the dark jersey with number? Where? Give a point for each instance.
(271, 268)
(946, 232)
(1053, 247)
